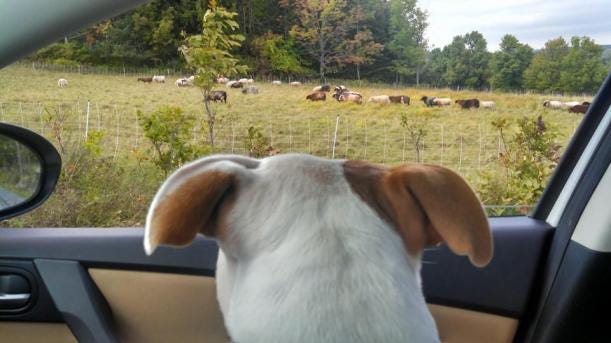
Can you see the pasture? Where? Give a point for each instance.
(464, 140)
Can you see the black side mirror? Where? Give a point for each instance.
(29, 169)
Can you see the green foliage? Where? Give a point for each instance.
(416, 125)
(529, 158)
(543, 74)
(277, 55)
(256, 143)
(407, 43)
(508, 64)
(582, 69)
(169, 132)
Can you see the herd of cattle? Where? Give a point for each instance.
(343, 94)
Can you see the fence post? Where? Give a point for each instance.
(309, 135)
(87, 120)
(335, 136)
(21, 114)
(479, 154)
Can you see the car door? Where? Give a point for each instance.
(548, 277)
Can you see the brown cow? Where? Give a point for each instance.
(317, 96)
(217, 96)
(399, 99)
(145, 79)
(579, 109)
(468, 103)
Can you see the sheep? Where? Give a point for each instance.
(341, 89)
(276, 82)
(349, 96)
(222, 80)
(579, 108)
(159, 78)
(434, 101)
(243, 80)
(191, 80)
(570, 104)
(182, 82)
(399, 99)
(62, 83)
(250, 81)
(250, 90)
(317, 96)
(380, 99)
(488, 104)
(234, 84)
(295, 84)
(323, 88)
(145, 79)
(217, 96)
(468, 103)
(552, 104)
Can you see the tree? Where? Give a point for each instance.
(582, 68)
(361, 50)
(322, 31)
(508, 64)
(209, 55)
(543, 74)
(276, 55)
(407, 44)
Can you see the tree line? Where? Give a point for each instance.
(377, 40)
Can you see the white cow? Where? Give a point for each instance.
(62, 82)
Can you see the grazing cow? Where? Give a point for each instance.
(579, 109)
(380, 99)
(159, 78)
(295, 84)
(222, 80)
(323, 88)
(466, 104)
(552, 104)
(182, 82)
(399, 99)
(276, 82)
(62, 83)
(349, 96)
(234, 84)
(317, 96)
(145, 79)
(217, 96)
(487, 104)
(250, 90)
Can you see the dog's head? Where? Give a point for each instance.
(235, 199)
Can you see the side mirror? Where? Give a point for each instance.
(29, 169)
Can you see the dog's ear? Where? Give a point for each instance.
(432, 204)
(195, 198)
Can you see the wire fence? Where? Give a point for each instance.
(384, 141)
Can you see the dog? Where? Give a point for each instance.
(316, 250)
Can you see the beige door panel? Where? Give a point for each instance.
(158, 307)
(25, 332)
(457, 325)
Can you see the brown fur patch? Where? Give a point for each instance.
(200, 204)
(426, 205)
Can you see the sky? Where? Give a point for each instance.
(531, 21)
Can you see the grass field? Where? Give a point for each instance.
(460, 139)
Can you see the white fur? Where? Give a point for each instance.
(159, 78)
(306, 260)
(488, 104)
(442, 101)
(570, 104)
(62, 83)
(276, 82)
(380, 99)
(295, 84)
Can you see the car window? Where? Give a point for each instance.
(126, 102)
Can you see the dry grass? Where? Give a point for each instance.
(461, 139)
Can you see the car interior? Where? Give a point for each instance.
(548, 280)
